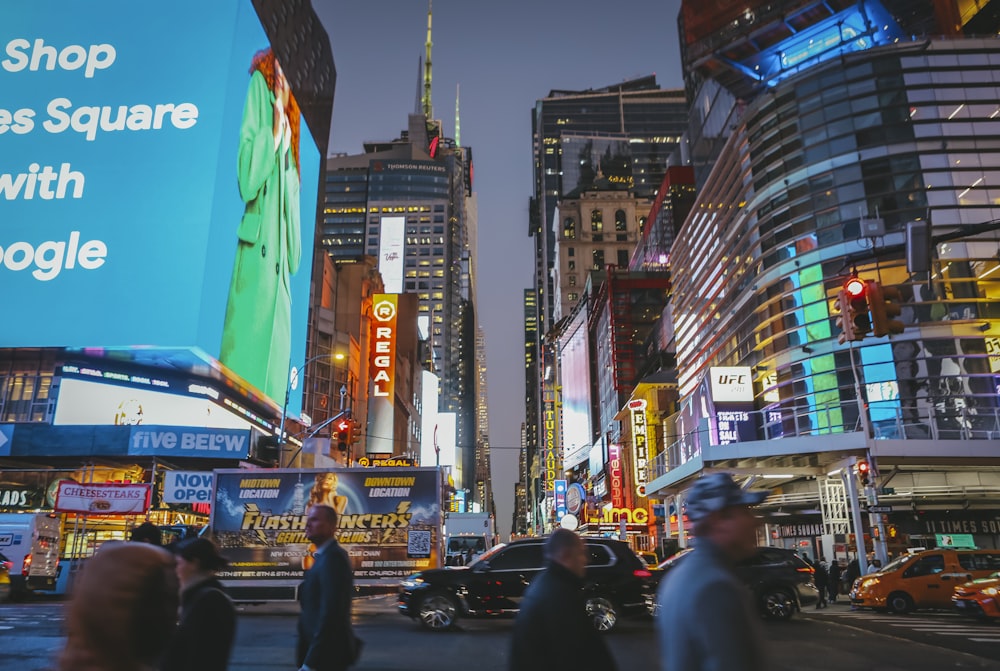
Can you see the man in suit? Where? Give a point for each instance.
(326, 640)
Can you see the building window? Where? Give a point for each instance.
(598, 259)
(642, 224)
(623, 258)
(570, 252)
(572, 296)
(569, 228)
(572, 280)
(620, 221)
(596, 221)
(571, 265)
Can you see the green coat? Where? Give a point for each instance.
(256, 335)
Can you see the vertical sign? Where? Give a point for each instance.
(390, 253)
(383, 364)
(551, 440)
(637, 408)
(560, 499)
(617, 479)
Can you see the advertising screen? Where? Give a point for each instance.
(158, 185)
(390, 521)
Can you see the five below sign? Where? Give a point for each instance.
(173, 441)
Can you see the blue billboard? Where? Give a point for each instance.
(158, 185)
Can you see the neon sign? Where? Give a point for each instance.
(640, 448)
(383, 362)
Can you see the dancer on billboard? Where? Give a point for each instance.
(256, 336)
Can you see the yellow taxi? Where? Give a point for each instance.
(922, 580)
(979, 597)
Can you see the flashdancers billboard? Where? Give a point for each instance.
(390, 520)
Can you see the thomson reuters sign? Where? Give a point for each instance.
(731, 384)
(383, 338)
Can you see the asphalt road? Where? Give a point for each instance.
(835, 639)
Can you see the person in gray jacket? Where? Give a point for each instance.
(707, 621)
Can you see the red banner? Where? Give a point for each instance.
(102, 498)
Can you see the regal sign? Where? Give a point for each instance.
(383, 360)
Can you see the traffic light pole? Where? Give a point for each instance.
(875, 519)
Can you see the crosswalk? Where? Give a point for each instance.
(941, 624)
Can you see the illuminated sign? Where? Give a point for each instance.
(731, 384)
(615, 514)
(165, 441)
(384, 460)
(640, 448)
(551, 442)
(102, 498)
(133, 214)
(731, 424)
(560, 498)
(187, 487)
(86, 402)
(617, 477)
(390, 253)
(383, 344)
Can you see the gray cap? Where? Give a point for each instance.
(716, 491)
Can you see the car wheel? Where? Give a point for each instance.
(602, 613)
(438, 612)
(777, 604)
(899, 602)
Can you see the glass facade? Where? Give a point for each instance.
(902, 133)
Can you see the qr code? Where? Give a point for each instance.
(418, 543)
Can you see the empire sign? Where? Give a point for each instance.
(640, 447)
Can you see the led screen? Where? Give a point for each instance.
(158, 184)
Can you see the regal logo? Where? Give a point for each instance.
(383, 361)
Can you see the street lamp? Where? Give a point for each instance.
(293, 380)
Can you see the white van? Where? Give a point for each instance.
(30, 542)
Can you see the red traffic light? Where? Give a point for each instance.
(864, 472)
(343, 425)
(855, 287)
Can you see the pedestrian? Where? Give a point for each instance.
(326, 639)
(834, 581)
(122, 611)
(204, 636)
(707, 620)
(552, 630)
(852, 573)
(874, 566)
(821, 578)
(147, 532)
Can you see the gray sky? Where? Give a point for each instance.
(504, 56)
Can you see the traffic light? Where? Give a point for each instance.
(343, 434)
(864, 472)
(356, 432)
(853, 321)
(884, 305)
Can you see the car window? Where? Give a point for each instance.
(925, 566)
(598, 555)
(967, 560)
(518, 557)
(771, 557)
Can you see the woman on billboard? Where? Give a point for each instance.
(256, 336)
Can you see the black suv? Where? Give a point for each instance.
(781, 582)
(618, 584)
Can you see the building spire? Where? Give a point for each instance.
(417, 98)
(426, 100)
(458, 123)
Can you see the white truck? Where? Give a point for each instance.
(30, 543)
(468, 536)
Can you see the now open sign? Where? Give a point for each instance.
(187, 487)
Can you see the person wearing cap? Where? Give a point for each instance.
(707, 621)
(204, 636)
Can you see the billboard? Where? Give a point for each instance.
(390, 520)
(145, 206)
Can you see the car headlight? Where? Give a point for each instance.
(870, 582)
(990, 591)
(411, 583)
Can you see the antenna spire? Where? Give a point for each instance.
(458, 123)
(426, 101)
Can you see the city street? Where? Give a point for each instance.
(835, 639)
